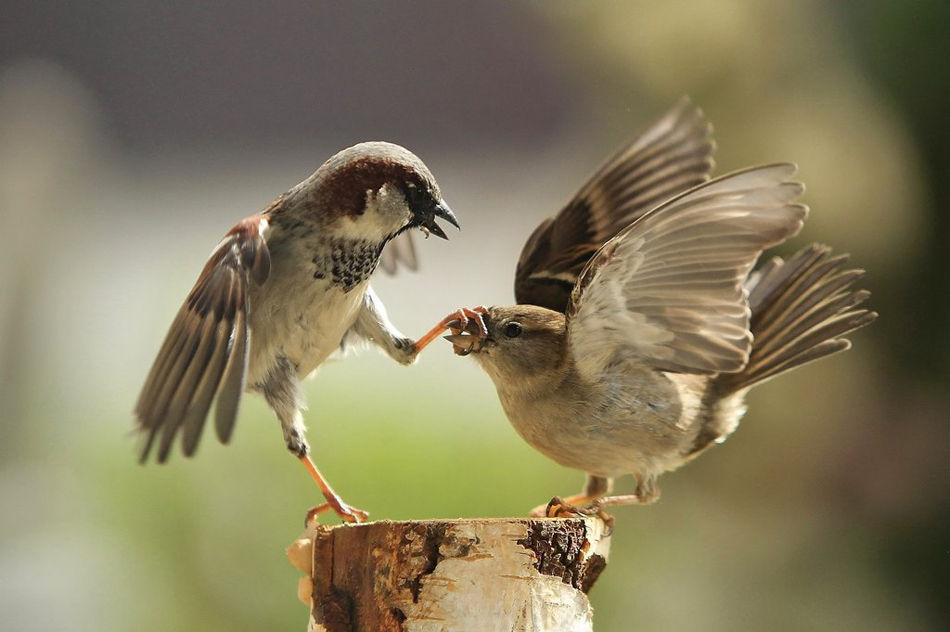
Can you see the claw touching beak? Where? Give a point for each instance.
(468, 339)
(472, 320)
(427, 222)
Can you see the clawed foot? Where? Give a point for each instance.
(334, 502)
(468, 329)
(558, 507)
(346, 513)
(457, 321)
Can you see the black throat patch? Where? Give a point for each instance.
(345, 262)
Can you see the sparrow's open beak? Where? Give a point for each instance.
(467, 340)
(427, 219)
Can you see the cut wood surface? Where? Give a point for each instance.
(507, 574)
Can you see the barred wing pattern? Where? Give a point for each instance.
(205, 352)
(801, 309)
(669, 289)
(671, 156)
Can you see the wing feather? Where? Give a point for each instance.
(205, 350)
(400, 251)
(671, 156)
(235, 375)
(194, 367)
(669, 288)
(207, 385)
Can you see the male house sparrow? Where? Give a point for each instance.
(280, 293)
(631, 352)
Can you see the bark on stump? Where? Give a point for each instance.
(513, 574)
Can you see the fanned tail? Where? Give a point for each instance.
(800, 310)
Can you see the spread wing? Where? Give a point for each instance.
(400, 251)
(205, 352)
(669, 289)
(671, 156)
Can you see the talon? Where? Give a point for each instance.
(461, 318)
(476, 315)
(553, 507)
(596, 508)
(313, 512)
(456, 321)
(344, 511)
(541, 511)
(454, 325)
(558, 508)
(351, 514)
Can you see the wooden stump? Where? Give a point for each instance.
(513, 574)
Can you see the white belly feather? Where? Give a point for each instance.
(298, 316)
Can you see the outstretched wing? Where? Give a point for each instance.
(669, 289)
(205, 352)
(671, 156)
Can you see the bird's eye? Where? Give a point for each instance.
(513, 330)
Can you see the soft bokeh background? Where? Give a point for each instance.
(132, 135)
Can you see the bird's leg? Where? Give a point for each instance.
(559, 507)
(298, 446)
(334, 502)
(281, 389)
(595, 488)
(373, 324)
(647, 492)
(456, 321)
(313, 512)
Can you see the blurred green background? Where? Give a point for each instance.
(132, 135)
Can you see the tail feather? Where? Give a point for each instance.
(800, 308)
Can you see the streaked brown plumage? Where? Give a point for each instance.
(281, 292)
(647, 361)
(205, 352)
(672, 155)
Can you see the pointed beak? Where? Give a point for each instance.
(441, 210)
(462, 344)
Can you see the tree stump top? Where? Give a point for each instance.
(530, 575)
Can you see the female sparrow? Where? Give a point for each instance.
(632, 348)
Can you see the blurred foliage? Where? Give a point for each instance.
(131, 137)
(903, 48)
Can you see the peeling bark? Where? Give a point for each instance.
(427, 576)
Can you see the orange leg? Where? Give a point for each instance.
(334, 502)
(626, 499)
(590, 501)
(456, 320)
(313, 512)
(577, 506)
(558, 506)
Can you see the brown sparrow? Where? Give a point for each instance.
(631, 352)
(282, 291)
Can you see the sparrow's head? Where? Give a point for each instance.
(517, 342)
(373, 191)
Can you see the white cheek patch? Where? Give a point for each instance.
(386, 212)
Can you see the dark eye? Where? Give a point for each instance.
(513, 330)
(414, 195)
